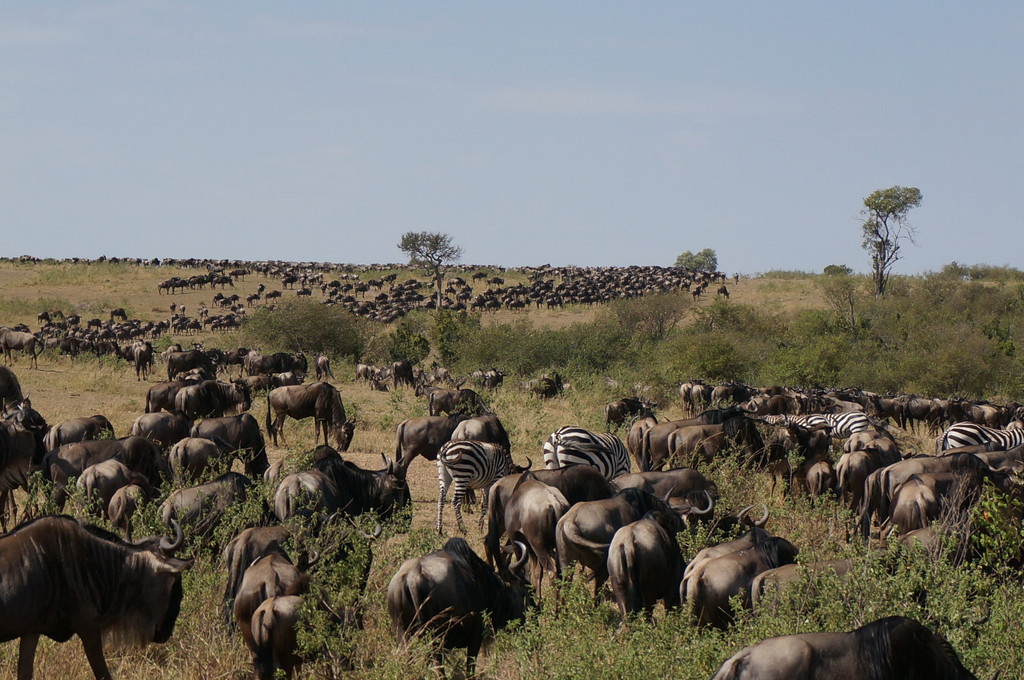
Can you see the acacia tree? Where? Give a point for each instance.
(885, 228)
(433, 252)
(706, 260)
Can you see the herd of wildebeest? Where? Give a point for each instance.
(615, 506)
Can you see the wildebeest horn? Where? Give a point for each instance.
(743, 513)
(314, 557)
(388, 463)
(518, 564)
(707, 510)
(764, 518)
(166, 546)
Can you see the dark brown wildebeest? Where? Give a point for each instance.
(787, 576)
(335, 485)
(11, 340)
(447, 594)
(21, 447)
(244, 549)
(279, 362)
(118, 313)
(628, 408)
(57, 555)
(531, 515)
(685, 483)
(586, 530)
(212, 398)
(401, 372)
(654, 448)
(10, 389)
(140, 454)
(242, 436)
(142, 358)
(166, 429)
(191, 457)
(423, 436)
(894, 648)
(160, 396)
(275, 625)
(710, 585)
(77, 430)
(645, 564)
(183, 362)
(99, 482)
(269, 576)
(318, 400)
(635, 436)
(322, 367)
(201, 508)
(123, 505)
(485, 428)
(450, 402)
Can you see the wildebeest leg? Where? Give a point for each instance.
(93, 643)
(279, 429)
(26, 656)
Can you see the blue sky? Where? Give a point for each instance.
(589, 133)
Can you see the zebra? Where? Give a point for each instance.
(467, 464)
(971, 434)
(841, 424)
(571, 445)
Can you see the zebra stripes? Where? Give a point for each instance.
(842, 424)
(971, 434)
(575, 446)
(465, 465)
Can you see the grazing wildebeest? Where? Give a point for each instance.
(531, 515)
(99, 482)
(191, 457)
(140, 454)
(335, 485)
(118, 313)
(449, 402)
(894, 648)
(142, 358)
(484, 428)
(10, 389)
(322, 367)
(401, 372)
(709, 586)
(787, 576)
(244, 549)
(21, 447)
(423, 436)
(11, 340)
(654, 447)
(318, 400)
(77, 430)
(124, 504)
(160, 397)
(269, 576)
(212, 398)
(166, 429)
(448, 593)
(242, 435)
(685, 483)
(201, 508)
(275, 625)
(584, 532)
(55, 555)
(623, 410)
(182, 362)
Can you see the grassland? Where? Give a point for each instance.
(567, 637)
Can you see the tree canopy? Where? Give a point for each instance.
(432, 251)
(885, 228)
(706, 260)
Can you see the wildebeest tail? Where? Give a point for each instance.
(263, 636)
(631, 570)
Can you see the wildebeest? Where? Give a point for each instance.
(322, 367)
(893, 648)
(685, 483)
(269, 576)
(140, 454)
(142, 358)
(785, 577)
(182, 362)
(166, 429)
(76, 430)
(645, 564)
(242, 435)
(623, 410)
(401, 372)
(247, 547)
(160, 397)
(201, 508)
(11, 340)
(530, 516)
(279, 362)
(709, 586)
(448, 593)
(654, 447)
(584, 532)
(191, 457)
(449, 402)
(10, 389)
(423, 436)
(483, 428)
(62, 579)
(275, 625)
(336, 485)
(21, 446)
(212, 398)
(99, 482)
(318, 400)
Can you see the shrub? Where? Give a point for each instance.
(307, 326)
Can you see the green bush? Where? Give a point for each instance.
(307, 326)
